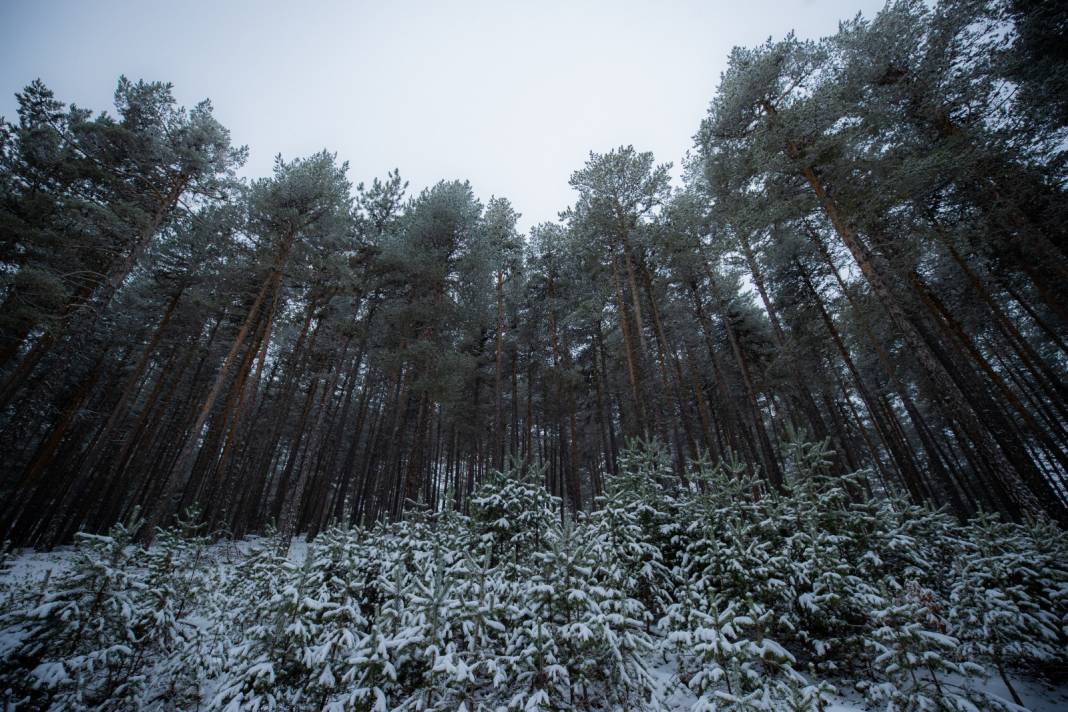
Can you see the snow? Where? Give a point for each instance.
(29, 567)
(654, 601)
(1037, 695)
(33, 568)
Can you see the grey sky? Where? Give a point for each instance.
(510, 95)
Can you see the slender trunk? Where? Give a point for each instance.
(637, 425)
(183, 465)
(498, 416)
(1030, 490)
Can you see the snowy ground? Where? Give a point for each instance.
(36, 568)
(1037, 695)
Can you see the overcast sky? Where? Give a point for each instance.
(509, 95)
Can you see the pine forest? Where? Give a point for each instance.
(787, 433)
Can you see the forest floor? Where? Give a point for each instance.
(31, 567)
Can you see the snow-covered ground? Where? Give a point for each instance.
(1037, 695)
(27, 566)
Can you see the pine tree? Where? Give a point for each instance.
(80, 643)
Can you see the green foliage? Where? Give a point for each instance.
(113, 631)
(513, 513)
(753, 598)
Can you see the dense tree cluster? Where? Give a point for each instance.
(717, 592)
(870, 246)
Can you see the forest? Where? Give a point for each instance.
(782, 423)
